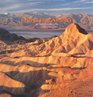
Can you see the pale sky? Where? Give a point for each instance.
(50, 6)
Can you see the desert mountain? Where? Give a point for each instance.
(8, 37)
(34, 20)
(73, 42)
(59, 67)
(73, 36)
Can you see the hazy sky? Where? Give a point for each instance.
(50, 6)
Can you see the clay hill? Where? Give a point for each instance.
(58, 67)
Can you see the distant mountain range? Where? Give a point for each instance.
(44, 21)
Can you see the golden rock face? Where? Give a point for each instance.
(8, 82)
(58, 67)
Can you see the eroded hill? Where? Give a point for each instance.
(58, 67)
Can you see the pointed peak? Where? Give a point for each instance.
(73, 28)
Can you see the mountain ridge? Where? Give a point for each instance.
(8, 37)
(31, 21)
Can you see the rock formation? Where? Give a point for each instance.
(59, 67)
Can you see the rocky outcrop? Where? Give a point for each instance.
(72, 37)
(64, 50)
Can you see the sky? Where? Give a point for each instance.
(49, 6)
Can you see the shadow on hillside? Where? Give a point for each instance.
(14, 92)
(27, 62)
(33, 81)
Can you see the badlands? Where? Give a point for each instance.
(58, 67)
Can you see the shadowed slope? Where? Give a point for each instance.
(8, 37)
